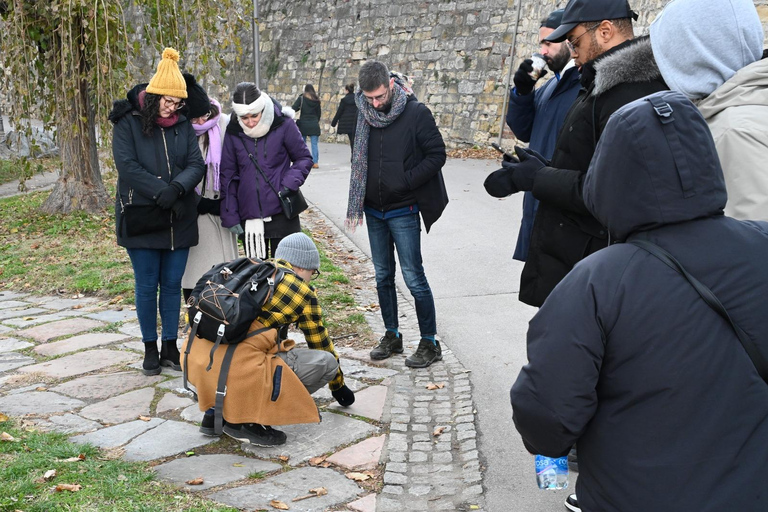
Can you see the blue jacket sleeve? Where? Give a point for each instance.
(521, 113)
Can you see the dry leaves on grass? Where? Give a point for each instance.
(196, 481)
(68, 487)
(314, 493)
(79, 458)
(49, 475)
(432, 386)
(279, 505)
(3, 417)
(8, 438)
(283, 458)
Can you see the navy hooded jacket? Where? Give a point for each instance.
(626, 359)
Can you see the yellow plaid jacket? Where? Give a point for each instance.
(295, 300)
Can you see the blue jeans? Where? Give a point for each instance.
(153, 267)
(403, 233)
(315, 152)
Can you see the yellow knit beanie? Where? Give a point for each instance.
(168, 80)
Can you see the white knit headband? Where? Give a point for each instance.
(251, 108)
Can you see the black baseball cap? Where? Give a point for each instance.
(554, 19)
(580, 11)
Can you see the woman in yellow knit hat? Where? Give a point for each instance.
(158, 164)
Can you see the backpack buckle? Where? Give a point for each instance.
(222, 393)
(664, 110)
(220, 332)
(254, 286)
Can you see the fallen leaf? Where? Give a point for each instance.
(357, 477)
(314, 493)
(438, 431)
(144, 418)
(432, 386)
(41, 389)
(474, 507)
(279, 505)
(77, 306)
(238, 465)
(79, 458)
(68, 487)
(122, 478)
(28, 318)
(5, 436)
(314, 461)
(49, 475)
(195, 481)
(284, 458)
(190, 454)
(3, 417)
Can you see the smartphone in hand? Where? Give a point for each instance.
(506, 156)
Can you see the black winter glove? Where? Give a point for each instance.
(524, 172)
(344, 396)
(499, 183)
(178, 209)
(169, 195)
(212, 206)
(523, 82)
(531, 153)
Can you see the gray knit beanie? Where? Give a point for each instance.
(299, 250)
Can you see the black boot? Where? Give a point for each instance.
(151, 364)
(169, 355)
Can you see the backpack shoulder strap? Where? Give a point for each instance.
(712, 301)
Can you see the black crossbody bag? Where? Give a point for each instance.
(293, 201)
(712, 301)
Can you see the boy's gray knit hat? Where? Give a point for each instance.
(299, 250)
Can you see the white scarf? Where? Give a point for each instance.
(262, 104)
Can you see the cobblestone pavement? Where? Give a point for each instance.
(72, 365)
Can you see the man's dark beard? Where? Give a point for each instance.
(558, 62)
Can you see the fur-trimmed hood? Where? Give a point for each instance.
(633, 63)
(121, 108)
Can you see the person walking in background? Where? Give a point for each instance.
(626, 359)
(217, 243)
(263, 154)
(727, 76)
(308, 107)
(158, 164)
(396, 175)
(346, 115)
(535, 116)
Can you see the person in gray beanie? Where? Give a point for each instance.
(294, 302)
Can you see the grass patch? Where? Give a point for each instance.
(107, 484)
(13, 170)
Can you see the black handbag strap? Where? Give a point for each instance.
(258, 168)
(712, 301)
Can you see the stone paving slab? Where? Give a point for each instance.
(360, 355)
(192, 414)
(104, 386)
(12, 360)
(8, 295)
(324, 393)
(14, 304)
(112, 316)
(37, 402)
(78, 364)
(43, 333)
(6, 314)
(118, 435)
(4, 329)
(59, 303)
(364, 504)
(314, 439)
(289, 485)
(169, 438)
(121, 408)
(369, 403)
(215, 470)
(12, 344)
(133, 330)
(171, 402)
(360, 370)
(75, 343)
(135, 346)
(68, 424)
(360, 456)
(27, 321)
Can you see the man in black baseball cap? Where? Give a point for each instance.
(580, 11)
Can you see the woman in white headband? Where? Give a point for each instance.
(262, 143)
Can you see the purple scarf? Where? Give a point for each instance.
(213, 155)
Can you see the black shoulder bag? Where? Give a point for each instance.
(712, 301)
(292, 201)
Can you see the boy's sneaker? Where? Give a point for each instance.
(255, 434)
(425, 355)
(206, 426)
(388, 344)
(572, 504)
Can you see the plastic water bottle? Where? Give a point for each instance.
(551, 474)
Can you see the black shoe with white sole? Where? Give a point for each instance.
(206, 426)
(255, 434)
(572, 504)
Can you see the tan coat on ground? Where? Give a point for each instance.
(250, 381)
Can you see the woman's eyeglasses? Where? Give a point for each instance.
(176, 105)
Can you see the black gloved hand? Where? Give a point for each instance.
(344, 396)
(178, 209)
(499, 183)
(522, 79)
(530, 153)
(509, 158)
(524, 172)
(169, 195)
(212, 206)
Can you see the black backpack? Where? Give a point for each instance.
(224, 303)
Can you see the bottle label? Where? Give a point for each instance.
(551, 473)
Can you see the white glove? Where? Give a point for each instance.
(255, 246)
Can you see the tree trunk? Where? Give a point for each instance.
(79, 186)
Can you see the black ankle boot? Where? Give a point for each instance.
(169, 355)
(151, 364)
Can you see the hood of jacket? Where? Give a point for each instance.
(701, 44)
(120, 108)
(748, 87)
(630, 62)
(650, 170)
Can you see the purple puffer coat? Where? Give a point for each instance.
(245, 194)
